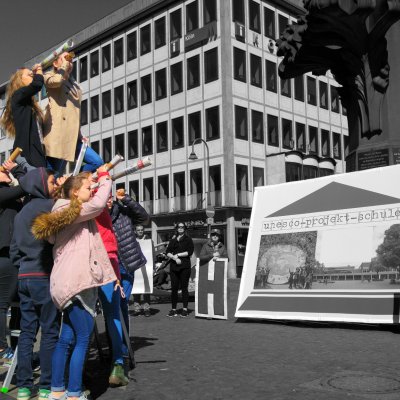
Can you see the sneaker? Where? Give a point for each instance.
(172, 313)
(146, 311)
(51, 397)
(117, 377)
(136, 309)
(184, 313)
(83, 396)
(44, 394)
(7, 354)
(24, 394)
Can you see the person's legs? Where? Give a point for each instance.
(92, 159)
(127, 285)
(57, 165)
(184, 280)
(174, 288)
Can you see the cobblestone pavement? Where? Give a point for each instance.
(193, 358)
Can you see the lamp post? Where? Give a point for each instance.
(193, 156)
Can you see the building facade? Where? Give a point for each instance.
(157, 75)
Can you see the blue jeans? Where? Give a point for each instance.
(76, 330)
(110, 301)
(127, 284)
(36, 308)
(92, 160)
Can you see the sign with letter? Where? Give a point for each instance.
(325, 249)
(143, 282)
(211, 283)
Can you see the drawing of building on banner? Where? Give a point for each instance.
(338, 237)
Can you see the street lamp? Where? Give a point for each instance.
(193, 156)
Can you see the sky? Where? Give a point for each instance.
(29, 28)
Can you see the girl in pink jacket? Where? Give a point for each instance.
(81, 264)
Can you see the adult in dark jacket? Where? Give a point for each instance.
(9, 207)
(179, 250)
(34, 259)
(22, 118)
(213, 249)
(125, 214)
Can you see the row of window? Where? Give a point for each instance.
(163, 140)
(131, 51)
(271, 81)
(284, 137)
(298, 172)
(146, 87)
(255, 15)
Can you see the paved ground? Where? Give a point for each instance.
(196, 358)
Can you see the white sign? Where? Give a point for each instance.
(143, 282)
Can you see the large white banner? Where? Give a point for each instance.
(143, 282)
(326, 249)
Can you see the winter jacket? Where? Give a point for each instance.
(26, 125)
(176, 246)
(80, 259)
(32, 256)
(125, 214)
(208, 250)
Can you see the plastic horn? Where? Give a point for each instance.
(140, 164)
(51, 57)
(17, 151)
(110, 165)
(79, 161)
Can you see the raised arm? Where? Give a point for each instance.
(136, 212)
(25, 93)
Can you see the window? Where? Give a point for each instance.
(84, 112)
(106, 104)
(192, 16)
(196, 182)
(300, 137)
(175, 20)
(133, 144)
(148, 191)
(323, 95)
(162, 136)
(269, 23)
(313, 139)
(212, 123)
(134, 190)
(241, 123)
(287, 137)
(215, 183)
(159, 33)
(95, 146)
(131, 94)
(163, 187)
(325, 143)
(325, 171)
(118, 52)
(146, 89)
(286, 87)
(94, 108)
(119, 99)
(239, 64)
(311, 91)
(119, 144)
(299, 88)
(94, 64)
(346, 145)
(176, 78)
(179, 184)
(272, 83)
(74, 70)
(161, 83)
(293, 172)
(211, 65)
(107, 150)
(258, 177)
(131, 46)
(283, 22)
(334, 99)
(145, 40)
(242, 181)
(337, 147)
(194, 126)
(83, 69)
(177, 133)
(106, 58)
(147, 141)
(238, 11)
(193, 72)
(310, 172)
(257, 124)
(209, 11)
(273, 130)
(254, 16)
(255, 70)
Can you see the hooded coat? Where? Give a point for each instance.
(32, 256)
(80, 259)
(208, 250)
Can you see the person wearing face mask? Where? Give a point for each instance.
(23, 118)
(213, 249)
(179, 250)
